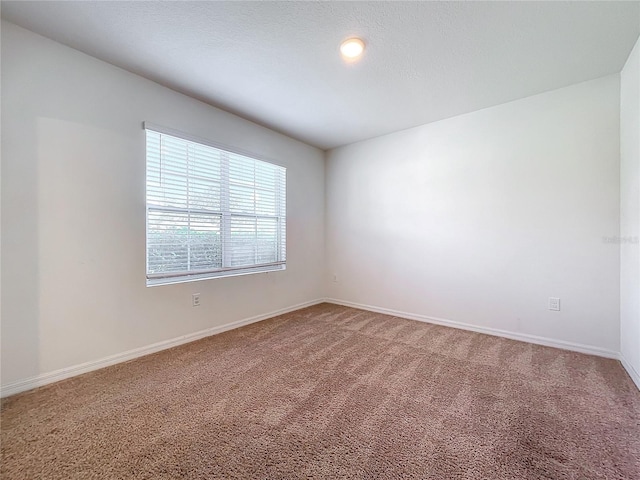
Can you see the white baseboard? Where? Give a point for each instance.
(523, 337)
(50, 377)
(633, 373)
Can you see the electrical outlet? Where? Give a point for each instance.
(195, 300)
(554, 304)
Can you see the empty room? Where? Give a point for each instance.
(286, 240)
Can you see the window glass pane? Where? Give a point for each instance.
(241, 199)
(266, 176)
(173, 156)
(204, 162)
(205, 242)
(242, 242)
(167, 242)
(267, 240)
(241, 170)
(266, 202)
(169, 191)
(183, 242)
(204, 195)
(166, 171)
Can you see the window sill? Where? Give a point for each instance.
(157, 282)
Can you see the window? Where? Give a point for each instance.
(211, 212)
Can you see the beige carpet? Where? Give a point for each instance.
(333, 392)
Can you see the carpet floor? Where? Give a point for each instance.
(333, 392)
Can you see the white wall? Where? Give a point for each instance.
(480, 218)
(630, 214)
(73, 212)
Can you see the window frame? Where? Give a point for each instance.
(224, 214)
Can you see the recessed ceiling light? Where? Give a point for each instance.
(352, 48)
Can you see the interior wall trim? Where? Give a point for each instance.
(523, 337)
(68, 372)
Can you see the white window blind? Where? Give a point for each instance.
(211, 212)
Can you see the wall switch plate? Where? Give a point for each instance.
(335, 278)
(554, 304)
(195, 300)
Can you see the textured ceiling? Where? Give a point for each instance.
(278, 63)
